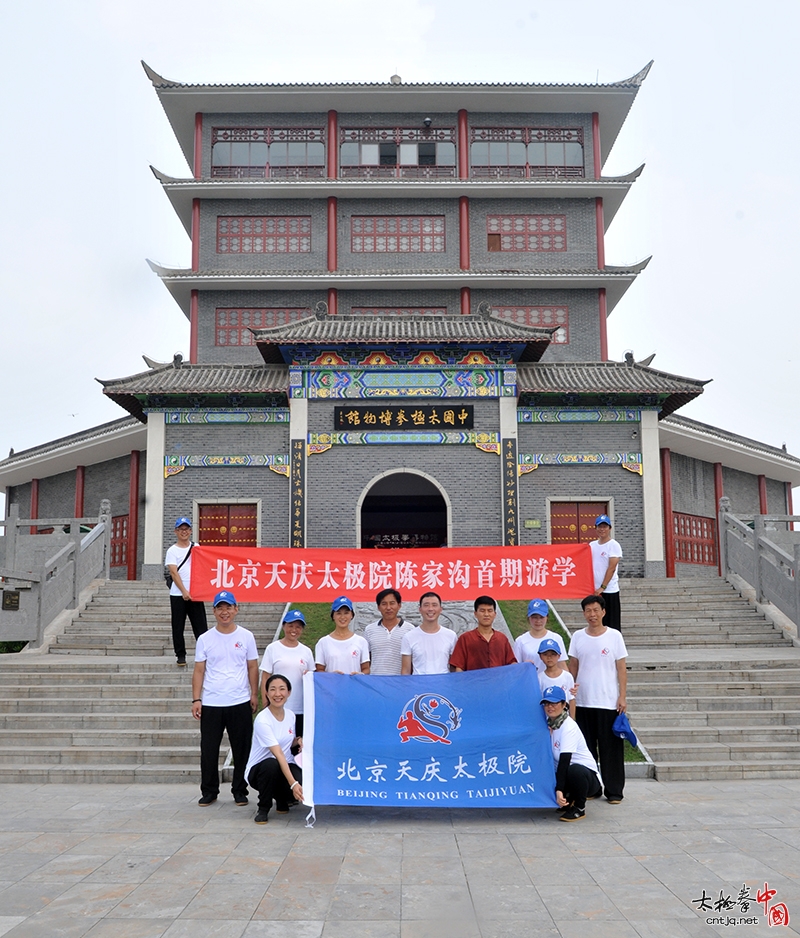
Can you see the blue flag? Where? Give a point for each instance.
(476, 739)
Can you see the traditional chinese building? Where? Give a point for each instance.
(397, 307)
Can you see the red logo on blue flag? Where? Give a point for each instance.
(429, 718)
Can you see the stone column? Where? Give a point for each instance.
(651, 497)
(153, 566)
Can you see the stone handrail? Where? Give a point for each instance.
(751, 554)
(44, 574)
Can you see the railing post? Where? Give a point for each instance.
(758, 533)
(38, 569)
(75, 537)
(724, 508)
(797, 585)
(105, 518)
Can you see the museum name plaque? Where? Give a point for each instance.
(413, 417)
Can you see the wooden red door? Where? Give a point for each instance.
(573, 522)
(228, 525)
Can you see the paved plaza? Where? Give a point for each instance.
(144, 861)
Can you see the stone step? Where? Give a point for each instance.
(725, 735)
(640, 677)
(99, 773)
(708, 687)
(99, 678)
(106, 691)
(686, 720)
(90, 705)
(714, 704)
(118, 722)
(779, 751)
(99, 738)
(687, 771)
(108, 755)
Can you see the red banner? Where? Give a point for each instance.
(274, 574)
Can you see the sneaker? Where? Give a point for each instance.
(614, 799)
(240, 800)
(206, 800)
(262, 817)
(181, 662)
(573, 814)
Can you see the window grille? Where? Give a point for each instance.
(270, 234)
(547, 233)
(397, 234)
(539, 316)
(232, 326)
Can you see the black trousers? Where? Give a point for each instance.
(595, 724)
(270, 783)
(180, 609)
(238, 721)
(612, 618)
(582, 783)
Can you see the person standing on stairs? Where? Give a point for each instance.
(179, 563)
(606, 555)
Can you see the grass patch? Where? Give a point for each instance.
(11, 648)
(631, 754)
(515, 612)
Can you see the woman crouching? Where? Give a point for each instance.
(271, 768)
(576, 771)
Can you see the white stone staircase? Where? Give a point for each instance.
(108, 703)
(713, 687)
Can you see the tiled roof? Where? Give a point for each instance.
(437, 330)
(610, 378)
(164, 83)
(196, 379)
(64, 442)
(725, 436)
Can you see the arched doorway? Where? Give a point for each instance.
(403, 508)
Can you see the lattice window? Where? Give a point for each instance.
(269, 234)
(526, 232)
(119, 541)
(267, 152)
(527, 152)
(397, 234)
(233, 325)
(409, 153)
(695, 539)
(399, 311)
(539, 316)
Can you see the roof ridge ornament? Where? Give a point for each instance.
(321, 310)
(484, 310)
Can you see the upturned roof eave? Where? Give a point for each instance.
(181, 101)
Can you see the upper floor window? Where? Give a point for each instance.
(557, 316)
(526, 232)
(397, 234)
(268, 234)
(267, 152)
(406, 153)
(527, 152)
(399, 311)
(232, 326)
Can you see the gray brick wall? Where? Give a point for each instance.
(211, 300)
(584, 318)
(776, 497)
(692, 486)
(696, 570)
(57, 496)
(470, 477)
(742, 489)
(315, 260)
(581, 234)
(399, 299)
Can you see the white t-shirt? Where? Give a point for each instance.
(292, 663)
(568, 738)
(601, 554)
(598, 685)
(346, 656)
(225, 682)
(565, 680)
(175, 556)
(267, 732)
(430, 651)
(526, 648)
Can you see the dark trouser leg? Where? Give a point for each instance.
(582, 783)
(212, 723)
(298, 724)
(239, 723)
(197, 616)
(178, 611)
(595, 724)
(612, 617)
(268, 780)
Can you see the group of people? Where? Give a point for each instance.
(583, 689)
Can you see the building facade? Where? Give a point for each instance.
(397, 307)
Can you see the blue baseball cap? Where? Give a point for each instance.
(181, 521)
(549, 644)
(602, 519)
(622, 728)
(537, 607)
(224, 597)
(554, 694)
(294, 615)
(342, 602)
